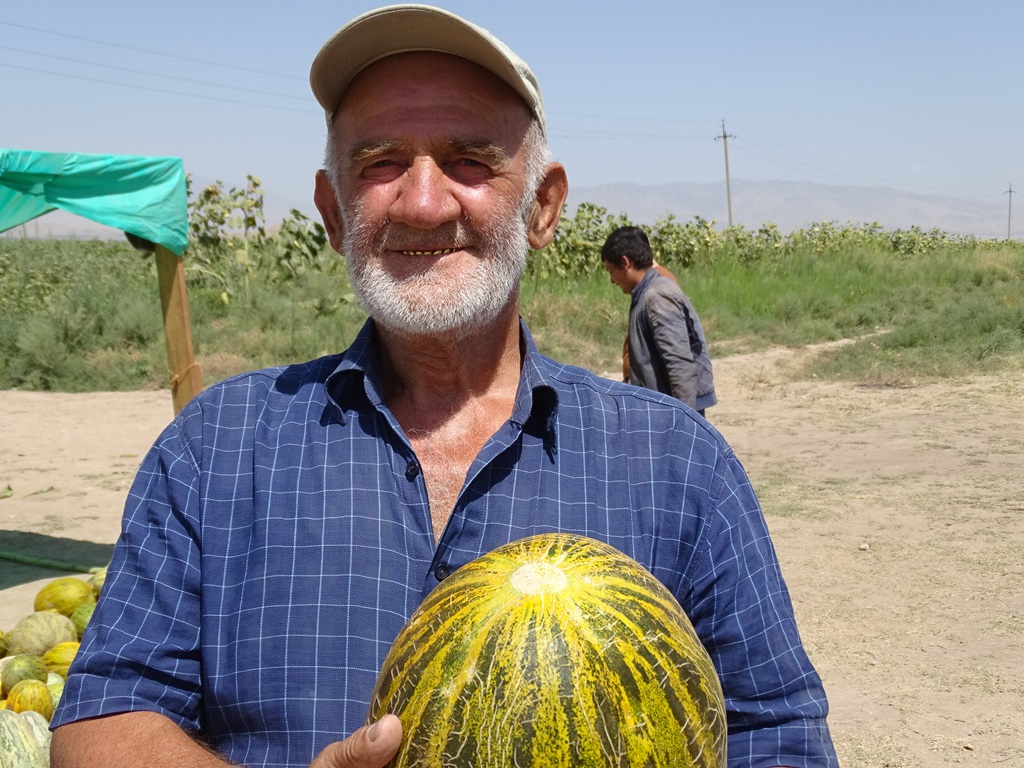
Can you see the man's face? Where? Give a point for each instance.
(430, 185)
(620, 276)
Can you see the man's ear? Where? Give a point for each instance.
(327, 203)
(547, 208)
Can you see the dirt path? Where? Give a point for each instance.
(897, 516)
(896, 513)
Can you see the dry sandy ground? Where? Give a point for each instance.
(897, 514)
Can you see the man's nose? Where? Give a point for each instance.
(425, 198)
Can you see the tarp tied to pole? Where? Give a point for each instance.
(145, 196)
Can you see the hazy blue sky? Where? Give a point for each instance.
(914, 95)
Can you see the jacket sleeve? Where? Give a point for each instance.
(672, 341)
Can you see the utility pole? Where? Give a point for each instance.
(728, 190)
(1009, 208)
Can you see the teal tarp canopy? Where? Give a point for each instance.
(145, 196)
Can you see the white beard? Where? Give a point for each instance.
(429, 299)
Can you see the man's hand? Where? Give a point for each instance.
(372, 746)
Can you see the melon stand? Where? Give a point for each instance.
(146, 198)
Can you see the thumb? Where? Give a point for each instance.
(371, 746)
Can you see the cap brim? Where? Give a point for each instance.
(408, 28)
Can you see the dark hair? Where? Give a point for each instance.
(631, 242)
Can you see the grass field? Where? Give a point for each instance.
(85, 316)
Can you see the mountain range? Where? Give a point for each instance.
(794, 205)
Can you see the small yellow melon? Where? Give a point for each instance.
(19, 668)
(31, 696)
(64, 595)
(59, 658)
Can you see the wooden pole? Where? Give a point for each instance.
(186, 376)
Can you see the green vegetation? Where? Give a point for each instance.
(924, 305)
(80, 316)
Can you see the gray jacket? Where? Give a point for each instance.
(667, 350)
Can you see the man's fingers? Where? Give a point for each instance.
(371, 746)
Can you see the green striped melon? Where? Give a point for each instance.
(23, 744)
(24, 666)
(38, 632)
(31, 696)
(554, 651)
(81, 617)
(98, 579)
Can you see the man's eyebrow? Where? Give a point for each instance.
(481, 148)
(476, 147)
(369, 149)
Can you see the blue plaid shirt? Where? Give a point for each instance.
(278, 536)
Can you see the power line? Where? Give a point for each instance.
(645, 119)
(616, 136)
(151, 51)
(823, 169)
(783, 156)
(827, 169)
(794, 164)
(154, 74)
(219, 99)
(804, 159)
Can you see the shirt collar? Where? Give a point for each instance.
(536, 407)
(640, 287)
(356, 380)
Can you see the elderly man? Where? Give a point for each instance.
(288, 522)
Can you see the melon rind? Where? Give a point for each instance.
(589, 663)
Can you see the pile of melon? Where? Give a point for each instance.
(34, 658)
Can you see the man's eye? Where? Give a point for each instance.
(382, 170)
(469, 169)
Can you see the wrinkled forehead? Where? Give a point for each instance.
(429, 100)
(432, 81)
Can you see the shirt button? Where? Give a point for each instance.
(411, 470)
(442, 572)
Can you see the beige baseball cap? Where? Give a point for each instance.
(406, 28)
